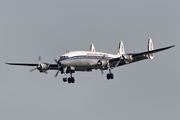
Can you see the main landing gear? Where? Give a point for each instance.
(110, 75)
(69, 80)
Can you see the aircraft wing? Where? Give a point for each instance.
(50, 66)
(22, 64)
(153, 51)
(136, 57)
(53, 67)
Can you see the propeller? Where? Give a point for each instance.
(59, 67)
(39, 66)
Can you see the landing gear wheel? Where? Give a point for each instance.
(110, 76)
(71, 80)
(64, 79)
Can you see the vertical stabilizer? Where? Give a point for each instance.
(121, 49)
(92, 48)
(150, 48)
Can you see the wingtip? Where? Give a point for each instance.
(171, 46)
(9, 63)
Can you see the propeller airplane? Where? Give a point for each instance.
(89, 60)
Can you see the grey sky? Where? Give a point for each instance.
(147, 90)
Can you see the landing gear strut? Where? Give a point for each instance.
(110, 75)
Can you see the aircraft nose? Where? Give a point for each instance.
(61, 61)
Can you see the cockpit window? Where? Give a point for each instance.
(64, 57)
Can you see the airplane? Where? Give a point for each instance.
(89, 60)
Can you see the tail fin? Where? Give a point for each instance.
(150, 48)
(92, 48)
(121, 49)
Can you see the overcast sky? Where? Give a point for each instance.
(146, 90)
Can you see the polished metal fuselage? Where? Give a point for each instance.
(85, 60)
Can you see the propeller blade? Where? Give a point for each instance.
(59, 66)
(33, 69)
(39, 58)
(57, 73)
(39, 62)
(55, 60)
(102, 72)
(118, 62)
(58, 62)
(103, 57)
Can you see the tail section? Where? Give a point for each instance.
(150, 48)
(121, 49)
(92, 48)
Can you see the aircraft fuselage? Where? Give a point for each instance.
(84, 60)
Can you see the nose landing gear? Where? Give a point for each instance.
(65, 79)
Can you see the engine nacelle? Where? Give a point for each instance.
(102, 63)
(43, 67)
(127, 58)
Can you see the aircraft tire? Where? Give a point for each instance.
(64, 79)
(72, 80)
(69, 80)
(108, 76)
(111, 76)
